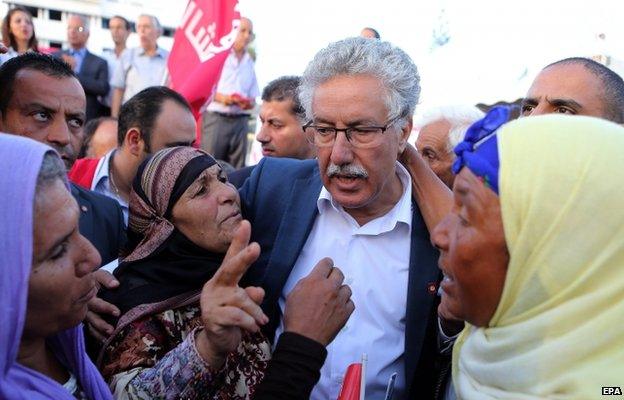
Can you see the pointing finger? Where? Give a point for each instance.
(233, 268)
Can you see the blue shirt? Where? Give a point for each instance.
(79, 56)
(136, 71)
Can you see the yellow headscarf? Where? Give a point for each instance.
(558, 331)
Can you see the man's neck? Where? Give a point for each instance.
(150, 51)
(77, 48)
(240, 53)
(119, 48)
(121, 171)
(386, 199)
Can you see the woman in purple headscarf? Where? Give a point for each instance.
(46, 279)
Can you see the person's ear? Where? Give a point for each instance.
(406, 130)
(134, 142)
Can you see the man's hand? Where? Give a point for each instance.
(409, 155)
(243, 102)
(3, 49)
(434, 199)
(226, 308)
(319, 305)
(99, 328)
(71, 61)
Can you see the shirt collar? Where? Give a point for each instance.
(400, 213)
(102, 170)
(80, 52)
(245, 58)
(160, 52)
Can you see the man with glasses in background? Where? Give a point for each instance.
(91, 70)
(354, 205)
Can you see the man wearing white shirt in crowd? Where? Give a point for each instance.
(120, 29)
(140, 67)
(225, 122)
(354, 205)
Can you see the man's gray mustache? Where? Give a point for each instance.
(350, 170)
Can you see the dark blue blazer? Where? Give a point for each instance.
(238, 177)
(279, 199)
(93, 77)
(101, 222)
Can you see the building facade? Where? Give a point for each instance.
(50, 19)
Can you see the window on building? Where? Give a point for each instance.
(56, 45)
(168, 32)
(55, 15)
(105, 22)
(34, 11)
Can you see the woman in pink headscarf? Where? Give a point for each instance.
(46, 280)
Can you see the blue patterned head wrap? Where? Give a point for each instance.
(479, 151)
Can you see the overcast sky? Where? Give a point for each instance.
(495, 48)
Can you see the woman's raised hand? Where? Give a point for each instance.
(226, 308)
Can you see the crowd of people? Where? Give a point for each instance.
(484, 263)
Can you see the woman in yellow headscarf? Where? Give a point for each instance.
(533, 256)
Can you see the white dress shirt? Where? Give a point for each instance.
(112, 60)
(137, 71)
(237, 76)
(375, 261)
(101, 183)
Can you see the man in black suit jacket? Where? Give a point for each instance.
(101, 221)
(32, 85)
(92, 71)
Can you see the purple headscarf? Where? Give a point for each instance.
(20, 161)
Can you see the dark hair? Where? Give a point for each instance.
(89, 130)
(126, 22)
(142, 110)
(8, 38)
(282, 89)
(613, 86)
(375, 33)
(43, 63)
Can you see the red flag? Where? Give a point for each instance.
(200, 46)
(354, 383)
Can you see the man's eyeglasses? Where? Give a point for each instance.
(359, 136)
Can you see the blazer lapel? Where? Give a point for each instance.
(294, 229)
(423, 280)
(85, 223)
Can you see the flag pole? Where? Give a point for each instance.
(363, 378)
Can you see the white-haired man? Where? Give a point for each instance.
(439, 131)
(353, 204)
(140, 67)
